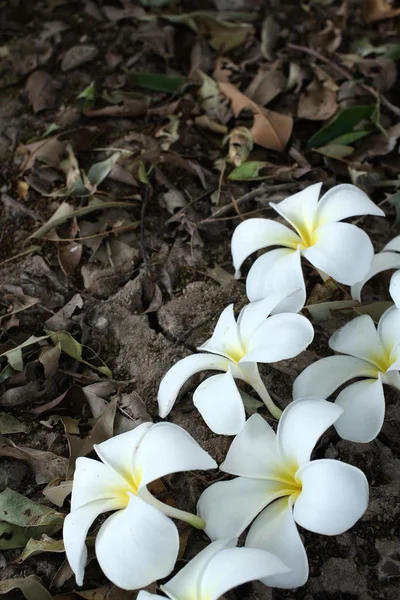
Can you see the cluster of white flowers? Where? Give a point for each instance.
(276, 485)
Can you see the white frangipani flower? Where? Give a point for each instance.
(394, 288)
(389, 258)
(217, 569)
(236, 347)
(371, 353)
(340, 250)
(277, 481)
(129, 540)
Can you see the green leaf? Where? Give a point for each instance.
(43, 544)
(86, 98)
(337, 151)
(323, 310)
(12, 536)
(105, 371)
(159, 82)
(349, 138)
(66, 211)
(99, 171)
(31, 587)
(9, 424)
(247, 171)
(68, 344)
(6, 373)
(342, 123)
(14, 356)
(20, 511)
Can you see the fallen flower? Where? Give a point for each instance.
(217, 569)
(394, 288)
(340, 250)
(236, 347)
(128, 540)
(371, 353)
(389, 258)
(277, 481)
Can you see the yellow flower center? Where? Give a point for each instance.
(129, 486)
(308, 236)
(290, 483)
(235, 354)
(382, 360)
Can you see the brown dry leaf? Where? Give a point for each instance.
(378, 144)
(317, 103)
(48, 151)
(270, 130)
(41, 90)
(378, 10)
(270, 31)
(45, 465)
(382, 72)
(328, 40)
(69, 257)
(266, 85)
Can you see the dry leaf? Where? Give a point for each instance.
(45, 465)
(377, 10)
(266, 85)
(40, 88)
(69, 257)
(317, 103)
(240, 145)
(270, 129)
(270, 31)
(207, 123)
(327, 40)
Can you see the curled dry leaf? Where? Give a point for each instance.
(378, 10)
(317, 102)
(45, 465)
(270, 129)
(43, 544)
(270, 31)
(266, 85)
(328, 40)
(240, 145)
(205, 122)
(31, 587)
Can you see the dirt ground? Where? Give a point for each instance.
(136, 284)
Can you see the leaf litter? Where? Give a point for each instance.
(147, 133)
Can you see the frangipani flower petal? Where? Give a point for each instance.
(394, 288)
(167, 448)
(393, 245)
(76, 526)
(274, 530)
(389, 330)
(322, 378)
(187, 583)
(357, 338)
(334, 496)
(143, 595)
(343, 251)
(344, 201)
(234, 566)
(280, 337)
(274, 270)
(298, 433)
(93, 481)
(180, 372)
(220, 404)
(254, 451)
(228, 507)
(111, 454)
(300, 208)
(254, 234)
(254, 314)
(225, 337)
(381, 262)
(130, 539)
(364, 411)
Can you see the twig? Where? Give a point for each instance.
(262, 189)
(347, 75)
